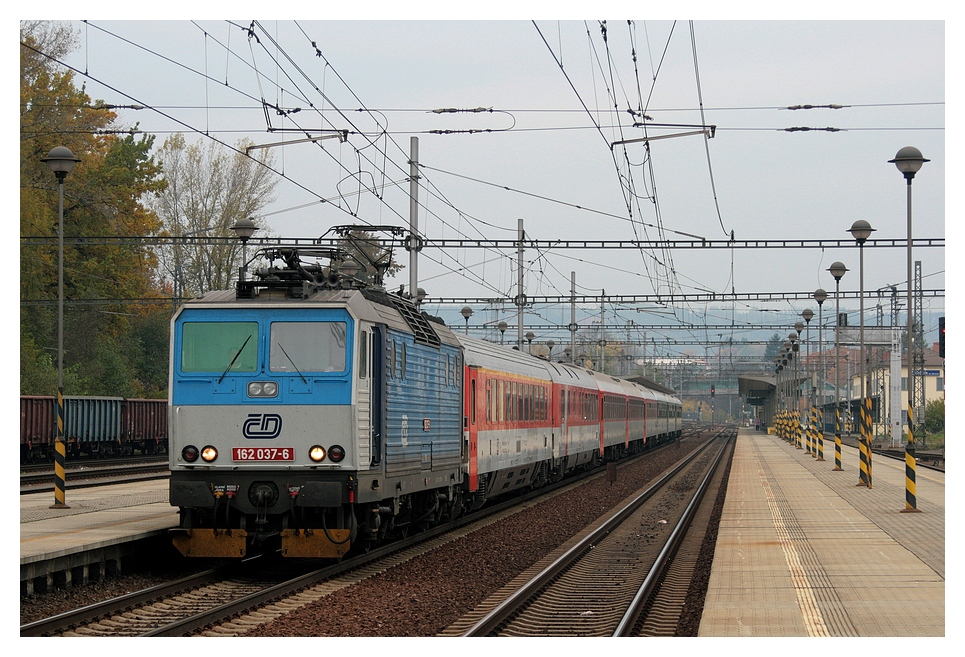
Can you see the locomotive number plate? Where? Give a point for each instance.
(262, 453)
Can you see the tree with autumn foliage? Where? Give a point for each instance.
(113, 333)
(208, 190)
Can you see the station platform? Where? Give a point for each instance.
(103, 527)
(804, 551)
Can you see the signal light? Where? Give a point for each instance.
(711, 391)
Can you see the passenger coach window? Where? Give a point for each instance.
(307, 347)
(219, 347)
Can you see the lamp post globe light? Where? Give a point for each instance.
(909, 160)
(466, 312)
(838, 271)
(787, 363)
(861, 230)
(502, 326)
(529, 341)
(807, 314)
(821, 296)
(61, 161)
(549, 346)
(244, 229)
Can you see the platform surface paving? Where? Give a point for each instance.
(97, 517)
(803, 551)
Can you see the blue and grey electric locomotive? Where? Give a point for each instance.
(311, 413)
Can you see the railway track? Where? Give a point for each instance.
(621, 577)
(41, 480)
(176, 609)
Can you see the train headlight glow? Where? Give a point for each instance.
(262, 389)
(190, 453)
(209, 453)
(316, 453)
(336, 453)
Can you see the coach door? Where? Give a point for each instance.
(376, 396)
(470, 430)
(564, 419)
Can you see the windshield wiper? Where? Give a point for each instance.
(234, 359)
(297, 371)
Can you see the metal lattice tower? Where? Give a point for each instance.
(916, 376)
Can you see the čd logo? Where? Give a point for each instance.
(262, 425)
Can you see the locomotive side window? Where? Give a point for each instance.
(363, 354)
(219, 347)
(307, 347)
(392, 359)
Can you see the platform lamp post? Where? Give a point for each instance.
(802, 403)
(909, 161)
(777, 393)
(502, 326)
(788, 355)
(529, 341)
(795, 387)
(820, 296)
(549, 346)
(61, 161)
(786, 412)
(807, 314)
(861, 230)
(244, 229)
(466, 312)
(786, 369)
(838, 270)
(779, 410)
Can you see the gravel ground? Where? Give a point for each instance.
(425, 595)
(44, 605)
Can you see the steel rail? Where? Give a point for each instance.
(47, 626)
(504, 610)
(637, 605)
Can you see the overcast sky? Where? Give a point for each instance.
(560, 96)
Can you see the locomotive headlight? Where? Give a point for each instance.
(336, 453)
(190, 453)
(316, 453)
(209, 453)
(262, 389)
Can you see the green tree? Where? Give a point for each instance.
(102, 197)
(773, 348)
(935, 416)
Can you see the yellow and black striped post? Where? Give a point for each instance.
(813, 432)
(807, 437)
(911, 491)
(862, 447)
(60, 456)
(837, 438)
(797, 430)
(819, 426)
(869, 434)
